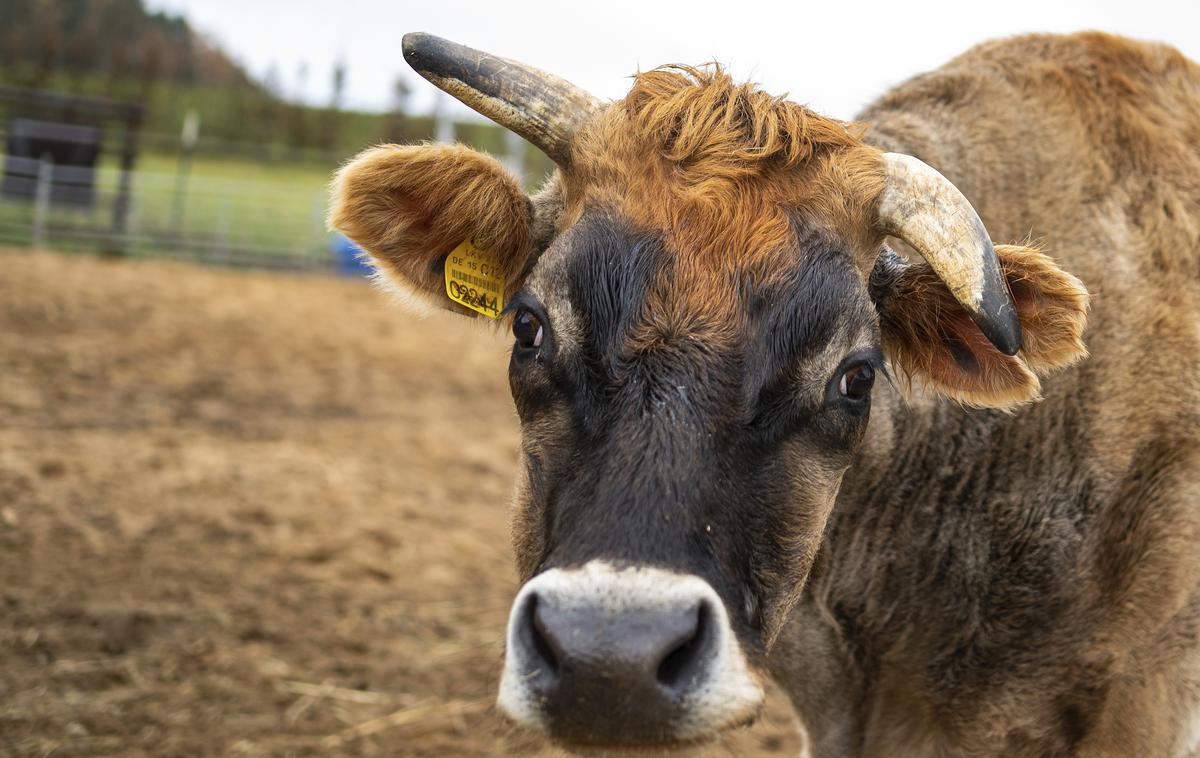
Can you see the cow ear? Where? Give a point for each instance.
(929, 337)
(408, 207)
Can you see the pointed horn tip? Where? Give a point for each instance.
(540, 107)
(1000, 324)
(418, 45)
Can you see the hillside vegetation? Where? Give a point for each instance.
(119, 49)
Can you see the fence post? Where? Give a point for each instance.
(443, 122)
(322, 257)
(514, 154)
(187, 143)
(129, 140)
(41, 200)
(224, 223)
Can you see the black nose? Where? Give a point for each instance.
(601, 667)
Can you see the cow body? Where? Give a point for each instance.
(1027, 583)
(714, 488)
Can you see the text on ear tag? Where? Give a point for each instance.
(474, 279)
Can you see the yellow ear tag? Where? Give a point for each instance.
(474, 279)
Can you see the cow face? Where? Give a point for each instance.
(701, 306)
(678, 467)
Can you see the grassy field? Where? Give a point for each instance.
(229, 209)
(231, 205)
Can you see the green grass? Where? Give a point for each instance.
(233, 208)
(228, 205)
(307, 175)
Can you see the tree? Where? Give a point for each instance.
(47, 28)
(396, 126)
(332, 120)
(338, 88)
(84, 45)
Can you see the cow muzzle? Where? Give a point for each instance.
(605, 657)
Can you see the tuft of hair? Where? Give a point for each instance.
(698, 116)
(724, 166)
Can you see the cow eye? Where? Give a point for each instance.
(856, 383)
(527, 328)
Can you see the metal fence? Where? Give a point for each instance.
(264, 221)
(71, 182)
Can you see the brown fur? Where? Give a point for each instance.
(410, 206)
(1019, 584)
(1037, 593)
(720, 167)
(920, 320)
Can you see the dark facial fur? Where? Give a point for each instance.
(647, 444)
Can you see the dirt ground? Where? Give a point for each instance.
(252, 514)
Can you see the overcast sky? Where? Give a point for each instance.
(833, 56)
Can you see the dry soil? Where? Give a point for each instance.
(245, 513)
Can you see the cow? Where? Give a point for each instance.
(789, 414)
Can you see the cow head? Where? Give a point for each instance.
(701, 299)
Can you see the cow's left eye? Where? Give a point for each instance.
(857, 381)
(527, 328)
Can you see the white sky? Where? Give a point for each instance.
(833, 56)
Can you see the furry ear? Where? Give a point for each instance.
(928, 336)
(409, 206)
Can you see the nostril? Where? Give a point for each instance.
(543, 651)
(686, 660)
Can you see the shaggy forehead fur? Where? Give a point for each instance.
(725, 173)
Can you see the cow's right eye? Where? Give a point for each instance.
(527, 328)
(856, 383)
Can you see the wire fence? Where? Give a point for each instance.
(260, 221)
(80, 173)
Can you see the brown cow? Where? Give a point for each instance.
(721, 481)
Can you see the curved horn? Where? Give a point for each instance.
(922, 207)
(538, 106)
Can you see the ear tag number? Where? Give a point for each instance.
(474, 279)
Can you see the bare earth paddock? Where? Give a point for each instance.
(252, 514)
